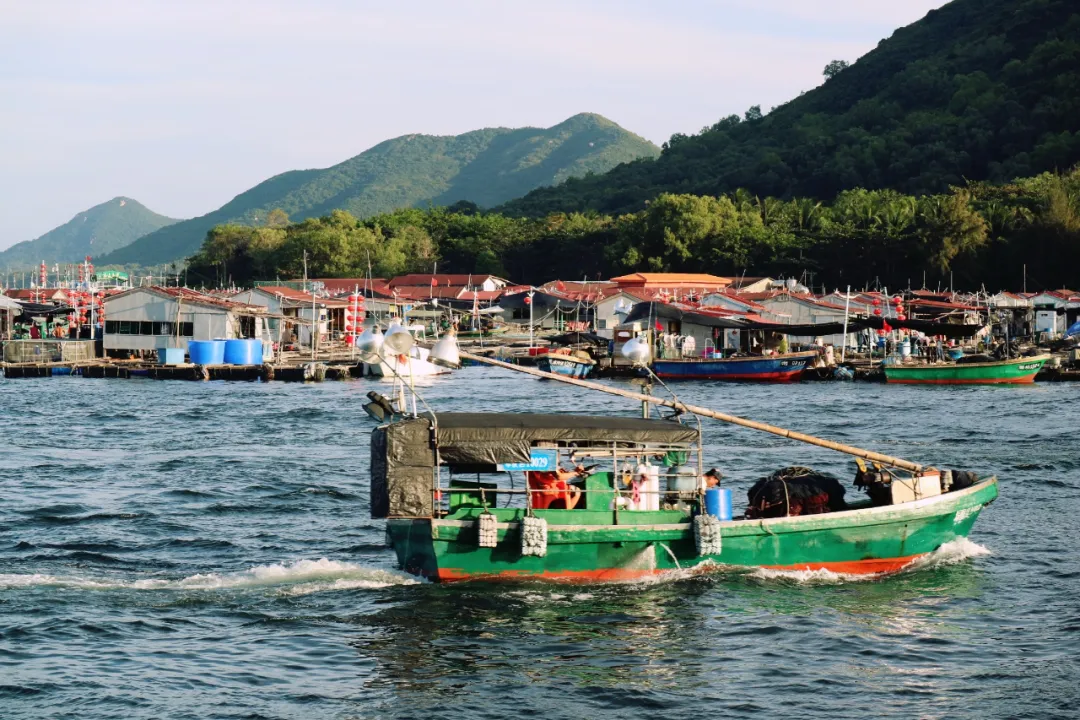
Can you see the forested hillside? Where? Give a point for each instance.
(979, 90)
(97, 231)
(979, 234)
(485, 167)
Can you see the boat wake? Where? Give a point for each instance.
(951, 553)
(301, 577)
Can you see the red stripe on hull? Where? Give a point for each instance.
(583, 576)
(854, 567)
(787, 376)
(1002, 381)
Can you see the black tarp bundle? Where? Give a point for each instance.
(30, 309)
(795, 491)
(577, 338)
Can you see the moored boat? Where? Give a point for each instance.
(997, 372)
(605, 526)
(787, 367)
(569, 365)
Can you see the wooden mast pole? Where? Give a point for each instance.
(706, 412)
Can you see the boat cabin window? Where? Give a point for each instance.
(577, 477)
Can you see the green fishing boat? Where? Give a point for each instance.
(1012, 372)
(480, 496)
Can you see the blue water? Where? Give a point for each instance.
(203, 550)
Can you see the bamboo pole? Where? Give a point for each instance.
(706, 412)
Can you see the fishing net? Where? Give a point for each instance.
(795, 491)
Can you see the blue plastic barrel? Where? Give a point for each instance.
(206, 352)
(718, 503)
(243, 352)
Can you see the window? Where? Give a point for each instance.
(601, 324)
(163, 328)
(125, 328)
(111, 327)
(187, 329)
(146, 328)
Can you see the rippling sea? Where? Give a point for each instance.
(203, 550)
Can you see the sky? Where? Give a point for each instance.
(184, 105)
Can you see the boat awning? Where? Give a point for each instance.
(492, 438)
(663, 311)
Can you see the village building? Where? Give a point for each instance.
(1055, 310)
(146, 319)
(8, 310)
(674, 285)
(292, 312)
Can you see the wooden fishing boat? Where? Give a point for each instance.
(755, 368)
(499, 526)
(565, 364)
(1013, 372)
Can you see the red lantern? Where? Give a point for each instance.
(897, 300)
(901, 318)
(881, 333)
(877, 311)
(876, 302)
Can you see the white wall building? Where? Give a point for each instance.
(795, 310)
(148, 318)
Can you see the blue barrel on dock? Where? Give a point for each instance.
(243, 352)
(206, 352)
(718, 503)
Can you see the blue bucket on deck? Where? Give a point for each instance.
(718, 503)
(956, 353)
(243, 352)
(206, 352)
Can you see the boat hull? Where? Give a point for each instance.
(564, 365)
(776, 368)
(1021, 371)
(585, 546)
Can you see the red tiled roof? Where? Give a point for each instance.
(672, 279)
(444, 280)
(299, 296)
(190, 296)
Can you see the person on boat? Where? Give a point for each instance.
(554, 489)
(712, 478)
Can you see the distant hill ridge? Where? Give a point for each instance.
(97, 231)
(486, 167)
(976, 90)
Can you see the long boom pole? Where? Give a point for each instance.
(706, 412)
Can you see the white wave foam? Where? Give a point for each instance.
(951, 553)
(808, 577)
(302, 577)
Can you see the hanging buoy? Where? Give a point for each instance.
(533, 536)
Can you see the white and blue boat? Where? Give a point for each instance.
(754, 368)
(568, 365)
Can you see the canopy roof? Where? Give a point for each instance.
(491, 438)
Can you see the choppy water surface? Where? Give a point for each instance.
(196, 550)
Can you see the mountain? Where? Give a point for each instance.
(976, 90)
(485, 167)
(97, 231)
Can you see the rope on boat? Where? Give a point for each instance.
(487, 530)
(533, 536)
(706, 412)
(707, 536)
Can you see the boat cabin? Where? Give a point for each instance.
(462, 464)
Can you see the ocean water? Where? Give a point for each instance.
(204, 550)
